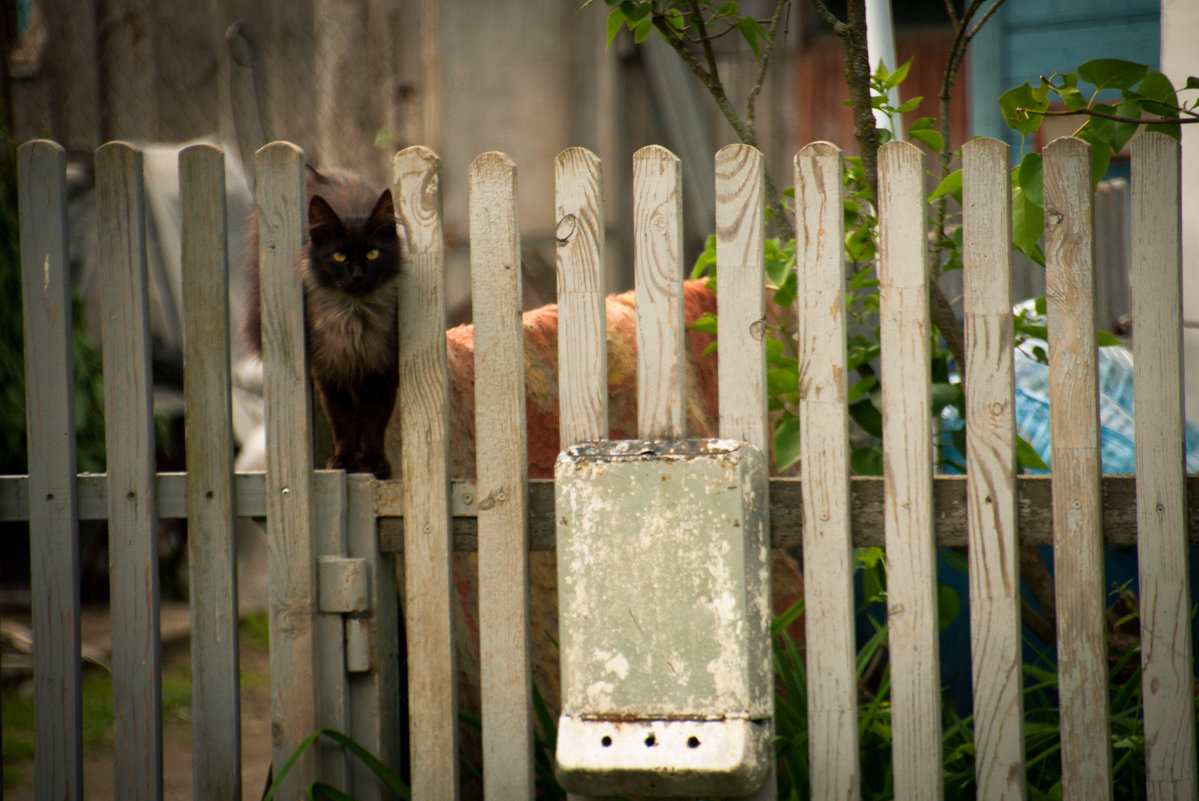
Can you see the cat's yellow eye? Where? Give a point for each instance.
(371, 255)
(339, 256)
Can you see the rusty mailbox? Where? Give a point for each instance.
(664, 617)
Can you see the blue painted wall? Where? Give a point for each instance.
(1026, 39)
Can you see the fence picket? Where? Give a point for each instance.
(374, 707)
(1161, 493)
(741, 323)
(994, 570)
(212, 553)
(658, 253)
(424, 411)
(330, 521)
(1074, 431)
(129, 435)
(741, 327)
(54, 504)
(505, 669)
(583, 353)
(907, 467)
(290, 509)
(824, 439)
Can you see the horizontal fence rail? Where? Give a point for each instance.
(331, 574)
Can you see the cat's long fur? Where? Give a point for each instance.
(350, 312)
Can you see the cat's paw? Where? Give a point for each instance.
(342, 461)
(375, 463)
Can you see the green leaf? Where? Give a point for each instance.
(1030, 178)
(861, 387)
(950, 185)
(616, 19)
(642, 30)
(897, 77)
(1110, 132)
(786, 442)
(948, 605)
(867, 415)
(909, 105)
(751, 31)
(1106, 339)
(1072, 98)
(932, 139)
(1169, 129)
(380, 770)
(781, 622)
(1112, 73)
(728, 9)
(1101, 152)
(1022, 97)
(782, 381)
(866, 461)
(1192, 82)
(1027, 455)
(1157, 87)
(1028, 223)
(635, 11)
(705, 324)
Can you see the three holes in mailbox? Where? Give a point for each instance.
(651, 741)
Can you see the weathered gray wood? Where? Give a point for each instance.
(291, 552)
(505, 669)
(741, 329)
(128, 56)
(333, 686)
(1166, 667)
(374, 705)
(129, 435)
(423, 404)
(908, 472)
(1034, 508)
(1074, 427)
(824, 439)
(583, 353)
(658, 251)
(212, 551)
(994, 572)
(741, 324)
(54, 512)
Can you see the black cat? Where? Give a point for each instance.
(349, 270)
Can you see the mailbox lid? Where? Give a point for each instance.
(664, 580)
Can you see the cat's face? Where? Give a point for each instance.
(353, 256)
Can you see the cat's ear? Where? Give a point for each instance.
(383, 215)
(322, 219)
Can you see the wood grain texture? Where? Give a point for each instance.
(658, 271)
(1034, 508)
(1162, 552)
(741, 323)
(505, 668)
(330, 523)
(908, 473)
(129, 442)
(824, 439)
(1074, 431)
(291, 546)
(374, 707)
(582, 349)
(741, 331)
(212, 553)
(424, 411)
(54, 510)
(994, 565)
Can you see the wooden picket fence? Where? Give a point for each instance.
(323, 525)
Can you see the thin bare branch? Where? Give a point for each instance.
(1090, 112)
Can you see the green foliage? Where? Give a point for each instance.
(1147, 101)
(676, 19)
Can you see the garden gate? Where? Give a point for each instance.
(331, 575)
